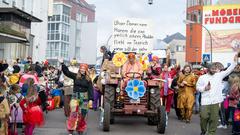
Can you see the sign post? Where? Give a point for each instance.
(206, 57)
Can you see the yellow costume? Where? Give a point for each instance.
(4, 113)
(186, 96)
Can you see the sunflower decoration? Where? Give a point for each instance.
(144, 62)
(119, 59)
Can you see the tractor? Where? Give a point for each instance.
(119, 101)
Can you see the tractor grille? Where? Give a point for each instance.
(143, 100)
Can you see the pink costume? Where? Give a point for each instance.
(128, 68)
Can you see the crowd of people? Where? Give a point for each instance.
(28, 90)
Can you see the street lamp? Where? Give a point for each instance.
(192, 22)
(150, 2)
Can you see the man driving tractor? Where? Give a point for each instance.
(131, 68)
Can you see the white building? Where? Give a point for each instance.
(17, 37)
(39, 30)
(72, 32)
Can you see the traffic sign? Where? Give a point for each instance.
(206, 57)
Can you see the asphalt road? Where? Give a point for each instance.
(55, 125)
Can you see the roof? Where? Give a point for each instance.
(160, 45)
(177, 35)
(84, 4)
(20, 13)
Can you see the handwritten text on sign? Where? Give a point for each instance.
(132, 35)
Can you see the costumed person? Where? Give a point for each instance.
(210, 86)
(14, 98)
(81, 98)
(96, 90)
(174, 86)
(131, 66)
(106, 54)
(4, 106)
(166, 92)
(234, 104)
(15, 76)
(30, 73)
(42, 92)
(56, 94)
(32, 112)
(154, 70)
(38, 69)
(68, 87)
(186, 99)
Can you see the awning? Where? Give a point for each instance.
(6, 38)
(20, 13)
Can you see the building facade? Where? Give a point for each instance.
(178, 51)
(16, 39)
(214, 30)
(66, 30)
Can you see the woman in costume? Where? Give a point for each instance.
(81, 98)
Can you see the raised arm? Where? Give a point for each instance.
(67, 72)
(225, 73)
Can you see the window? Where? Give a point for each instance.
(57, 9)
(57, 17)
(81, 17)
(179, 48)
(206, 2)
(66, 10)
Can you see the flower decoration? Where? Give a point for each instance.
(135, 89)
(144, 62)
(119, 59)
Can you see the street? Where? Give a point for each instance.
(55, 125)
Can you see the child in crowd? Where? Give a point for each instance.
(32, 112)
(56, 93)
(16, 121)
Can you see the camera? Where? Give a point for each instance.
(150, 2)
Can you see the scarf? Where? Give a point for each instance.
(166, 84)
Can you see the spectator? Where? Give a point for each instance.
(106, 54)
(56, 93)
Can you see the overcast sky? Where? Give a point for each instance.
(168, 15)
